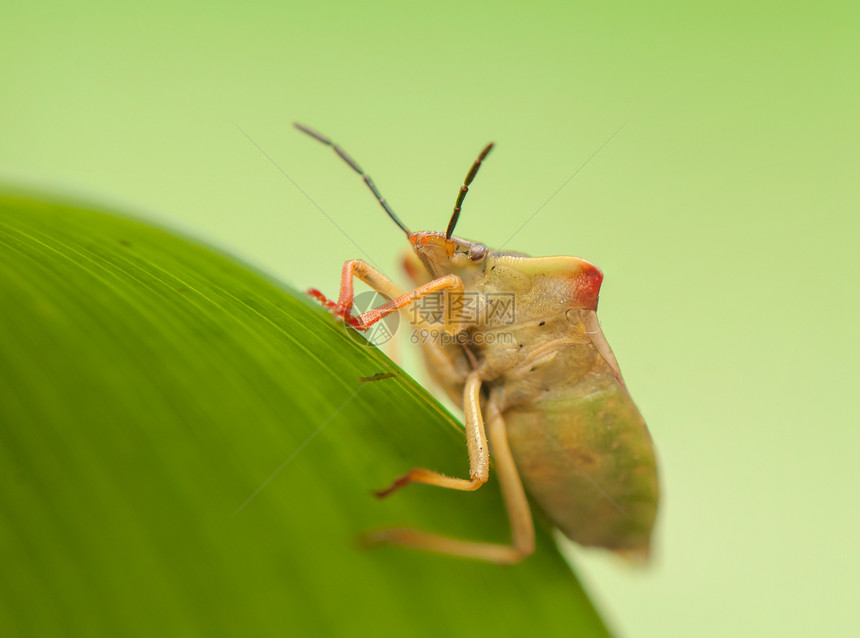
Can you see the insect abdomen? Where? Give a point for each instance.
(588, 460)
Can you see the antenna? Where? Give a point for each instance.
(465, 188)
(346, 158)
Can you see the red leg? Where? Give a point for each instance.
(383, 285)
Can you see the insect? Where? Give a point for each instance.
(517, 344)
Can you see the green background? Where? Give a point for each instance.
(724, 215)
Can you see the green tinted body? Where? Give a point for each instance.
(581, 447)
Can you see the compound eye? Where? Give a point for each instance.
(477, 252)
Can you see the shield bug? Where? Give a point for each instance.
(515, 341)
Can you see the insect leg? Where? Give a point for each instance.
(383, 285)
(476, 442)
(522, 526)
(368, 274)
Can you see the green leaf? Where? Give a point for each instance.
(186, 449)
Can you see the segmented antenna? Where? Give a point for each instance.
(465, 189)
(346, 158)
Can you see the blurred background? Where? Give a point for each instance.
(714, 151)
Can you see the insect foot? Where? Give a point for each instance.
(374, 332)
(402, 481)
(338, 310)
